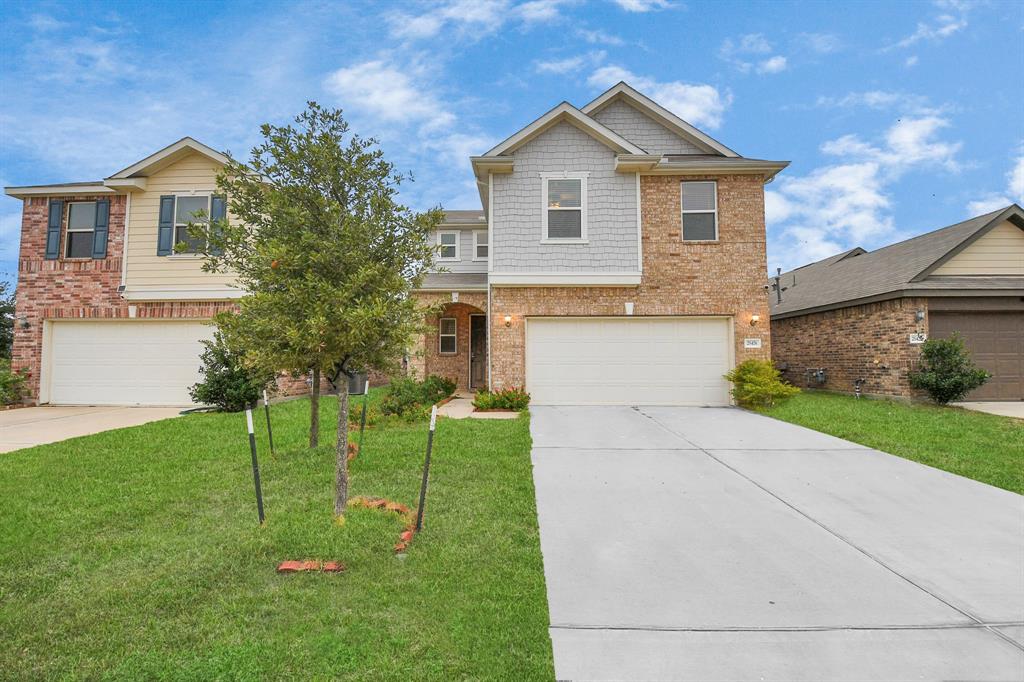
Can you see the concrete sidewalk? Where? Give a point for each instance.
(1005, 408)
(715, 544)
(28, 426)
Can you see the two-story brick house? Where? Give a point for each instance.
(619, 257)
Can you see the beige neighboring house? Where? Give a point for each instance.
(862, 315)
(617, 258)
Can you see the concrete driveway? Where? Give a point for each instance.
(715, 544)
(28, 426)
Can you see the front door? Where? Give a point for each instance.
(477, 351)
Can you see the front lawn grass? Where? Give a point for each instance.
(985, 447)
(136, 554)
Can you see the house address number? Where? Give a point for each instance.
(751, 343)
(917, 339)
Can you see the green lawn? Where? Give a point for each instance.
(136, 554)
(981, 446)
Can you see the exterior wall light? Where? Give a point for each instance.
(754, 319)
(508, 320)
(919, 316)
(23, 321)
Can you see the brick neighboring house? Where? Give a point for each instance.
(862, 315)
(618, 259)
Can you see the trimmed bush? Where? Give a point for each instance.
(406, 397)
(509, 399)
(12, 384)
(756, 383)
(226, 382)
(947, 372)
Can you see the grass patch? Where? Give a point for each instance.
(985, 447)
(136, 554)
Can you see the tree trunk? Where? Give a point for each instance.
(314, 410)
(341, 451)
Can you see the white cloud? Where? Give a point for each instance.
(952, 19)
(822, 43)
(387, 92)
(847, 203)
(910, 61)
(44, 22)
(751, 52)
(569, 64)
(772, 65)
(599, 37)
(644, 5)
(1014, 193)
(471, 19)
(882, 100)
(540, 10)
(700, 104)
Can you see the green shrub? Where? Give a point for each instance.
(406, 397)
(756, 383)
(12, 384)
(508, 399)
(947, 372)
(226, 382)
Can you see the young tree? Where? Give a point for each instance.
(6, 319)
(327, 257)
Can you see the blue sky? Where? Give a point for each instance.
(898, 117)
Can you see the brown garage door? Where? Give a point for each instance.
(996, 341)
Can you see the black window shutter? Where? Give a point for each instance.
(53, 229)
(165, 230)
(99, 235)
(218, 212)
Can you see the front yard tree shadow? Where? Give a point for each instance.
(327, 257)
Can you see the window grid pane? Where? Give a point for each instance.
(187, 207)
(447, 326)
(698, 196)
(565, 224)
(698, 227)
(565, 193)
(181, 234)
(80, 244)
(82, 216)
(448, 239)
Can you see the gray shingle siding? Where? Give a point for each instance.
(465, 262)
(643, 131)
(611, 208)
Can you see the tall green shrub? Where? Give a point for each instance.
(227, 382)
(12, 384)
(947, 372)
(756, 383)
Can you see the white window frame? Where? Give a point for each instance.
(682, 219)
(566, 175)
(458, 243)
(454, 335)
(68, 231)
(175, 224)
(477, 245)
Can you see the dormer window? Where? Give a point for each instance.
(449, 246)
(565, 208)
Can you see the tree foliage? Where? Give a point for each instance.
(947, 372)
(327, 256)
(6, 319)
(227, 381)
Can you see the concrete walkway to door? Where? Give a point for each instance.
(28, 426)
(715, 544)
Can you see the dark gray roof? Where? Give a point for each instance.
(898, 269)
(454, 281)
(461, 217)
(713, 160)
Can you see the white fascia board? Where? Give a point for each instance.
(126, 184)
(560, 279)
(56, 190)
(168, 152)
(658, 113)
(569, 113)
(157, 293)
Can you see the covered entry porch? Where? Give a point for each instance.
(455, 344)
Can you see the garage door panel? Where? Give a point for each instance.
(996, 343)
(628, 361)
(125, 363)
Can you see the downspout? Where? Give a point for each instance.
(124, 243)
(490, 261)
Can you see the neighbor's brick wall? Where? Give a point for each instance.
(426, 358)
(725, 278)
(869, 342)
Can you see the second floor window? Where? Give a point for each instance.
(565, 209)
(449, 243)
(700, 211)
(185, 212)
(81, 226)
(480, 245)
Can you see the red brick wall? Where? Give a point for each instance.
(430, 360)
(869, 342)
(725, 278)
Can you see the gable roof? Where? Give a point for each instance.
(901, 269)
(167, 156)
(570, 114)
(623, 91)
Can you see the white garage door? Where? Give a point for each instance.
(124, 363)
(628, 361)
